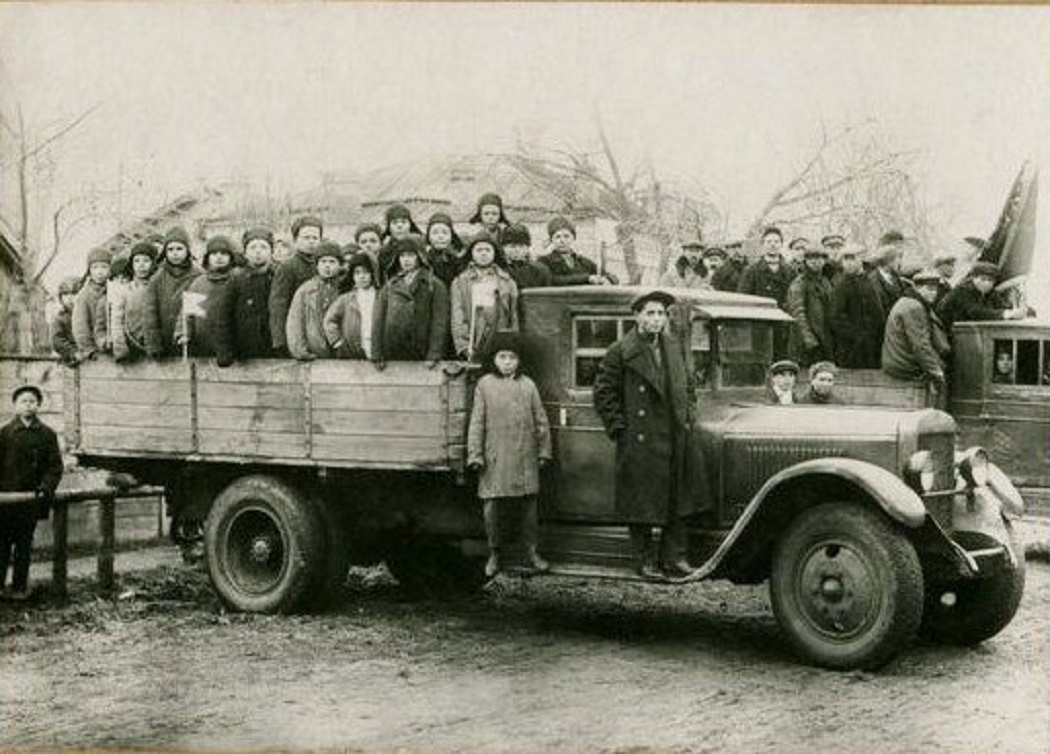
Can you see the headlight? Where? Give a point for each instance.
(973, 466)
(919, 471)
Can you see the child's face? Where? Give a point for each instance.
(26, 405)
(141, 266)
(176, 252)
(489, 214)
(258, 252)
(362, 278)
(308, 239)
(517, 252)
(440, 236)
(282, 251)
(408, 261)
(784, 381)
(400, 226)
(1004, 363)
(327, 267)
(823, 382)
(506, 362)
(219, 261)
(369, 241)
(99, 272)
(713, 262)
(562, 239)
(483, 254)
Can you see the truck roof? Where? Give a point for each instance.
(714, 304)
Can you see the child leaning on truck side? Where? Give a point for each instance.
(508, 441)
(90, 328)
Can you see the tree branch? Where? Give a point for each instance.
(38, 148)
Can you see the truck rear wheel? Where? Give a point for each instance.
(966, 612)
(265, 545)
(846, 587)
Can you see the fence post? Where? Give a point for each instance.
(108, 526)
(60, 561)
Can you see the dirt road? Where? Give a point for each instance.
(539, 664)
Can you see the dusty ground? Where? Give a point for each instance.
(545, 663)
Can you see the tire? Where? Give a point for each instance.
(264, 544)
(981, 608)
(435, 570)
(846, 587)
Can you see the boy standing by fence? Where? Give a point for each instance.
(30, 461)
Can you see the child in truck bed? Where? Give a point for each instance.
(508, 441)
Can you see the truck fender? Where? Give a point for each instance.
(899, 501)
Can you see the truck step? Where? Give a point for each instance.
(583, 571)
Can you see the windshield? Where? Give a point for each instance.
(744, 351)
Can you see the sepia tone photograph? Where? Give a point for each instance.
(516, 377)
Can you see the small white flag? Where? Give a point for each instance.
(193, 304)
(483, 294)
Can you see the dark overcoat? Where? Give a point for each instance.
(411, 319)
(967, 304)
(809, 302)
(289, 275)
(858, 322)
(247, 316)
(648, 413)
(30, 461)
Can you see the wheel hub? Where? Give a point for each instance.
(261, 549)
(839, 593)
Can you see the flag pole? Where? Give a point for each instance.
(185, 334)
(470, 344)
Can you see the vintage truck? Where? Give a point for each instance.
(870, 523)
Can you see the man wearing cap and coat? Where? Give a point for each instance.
(916, 344)
(30, 461)
(809, 302)
(972, 300)
(645, 396)
(857, 318)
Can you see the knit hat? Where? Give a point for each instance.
(27, 388)
(560, 223)
(257, 234)
(485, 200)
(365, 228)
(516, 235)
(400, 212)
(984, 269)
(440, 218)
(483, 236)
(217, 245)
(143, 248)
(327, 249)
(177, 235)
(69, 286)
(98, 254)
(306, 221)
(412, 243)
(361, 259)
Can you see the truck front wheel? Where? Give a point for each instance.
(264, 545)
(846, 587)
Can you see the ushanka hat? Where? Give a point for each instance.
(307, 221)
(327, 249)
(400, 212)
(361, 259)
(516, 235)
(560, 223)
(368, 228)
(488, 199)
(257, 234)
(143, 248)
(217, 245)
(440, 218)
(483, 236)
(98, 254)
(177, 235)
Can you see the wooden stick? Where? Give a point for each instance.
(108, 529)
(60, 559)
(80, 496)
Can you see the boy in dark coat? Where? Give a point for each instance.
(820, 391)
(508, 442)
(290, 274)
(90, 324)
(163, 301)
(202, 326)
(565, 265)
(446, 254)
(399, 224)
(645, 397)
(526, 272)
(411, 320)
(30, 461)
(62, 341)
(489, 217)
(247, 315)
(857, 319)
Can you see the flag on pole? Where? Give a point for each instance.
(193, 304)
(482, 296)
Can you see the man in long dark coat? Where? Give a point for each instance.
(645, 395)
(857, 318)
(30, 461)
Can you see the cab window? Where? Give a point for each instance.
(1020, 362)
(700, 351)
(745, 351)
(591, 338)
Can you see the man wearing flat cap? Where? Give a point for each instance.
(809, 302)
(30, 461)
(972, 300)
(857, 317)
(916, 343)
(645, 396)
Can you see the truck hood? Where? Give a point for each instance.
(816, 422)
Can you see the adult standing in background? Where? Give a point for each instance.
(809, 302)
(769, 276)
(688, 270)
(916, 343)
(857, 318)
(886, 279)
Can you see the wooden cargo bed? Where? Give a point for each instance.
(323, 413)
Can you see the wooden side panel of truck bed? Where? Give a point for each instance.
(322, 413)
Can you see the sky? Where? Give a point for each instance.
(728, 98)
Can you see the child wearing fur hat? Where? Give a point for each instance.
(304, 330)
(292, 273)
(412, 314)
(128, 308)
(399, 224)
(62, 341)
(484, 299)
(508, 441)
(348, 321)
(246, 317)
(565, 265)
(90, 326)
(490, 217)
(163, 298)
(208, 293)
(526, 272)
(445, 252)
